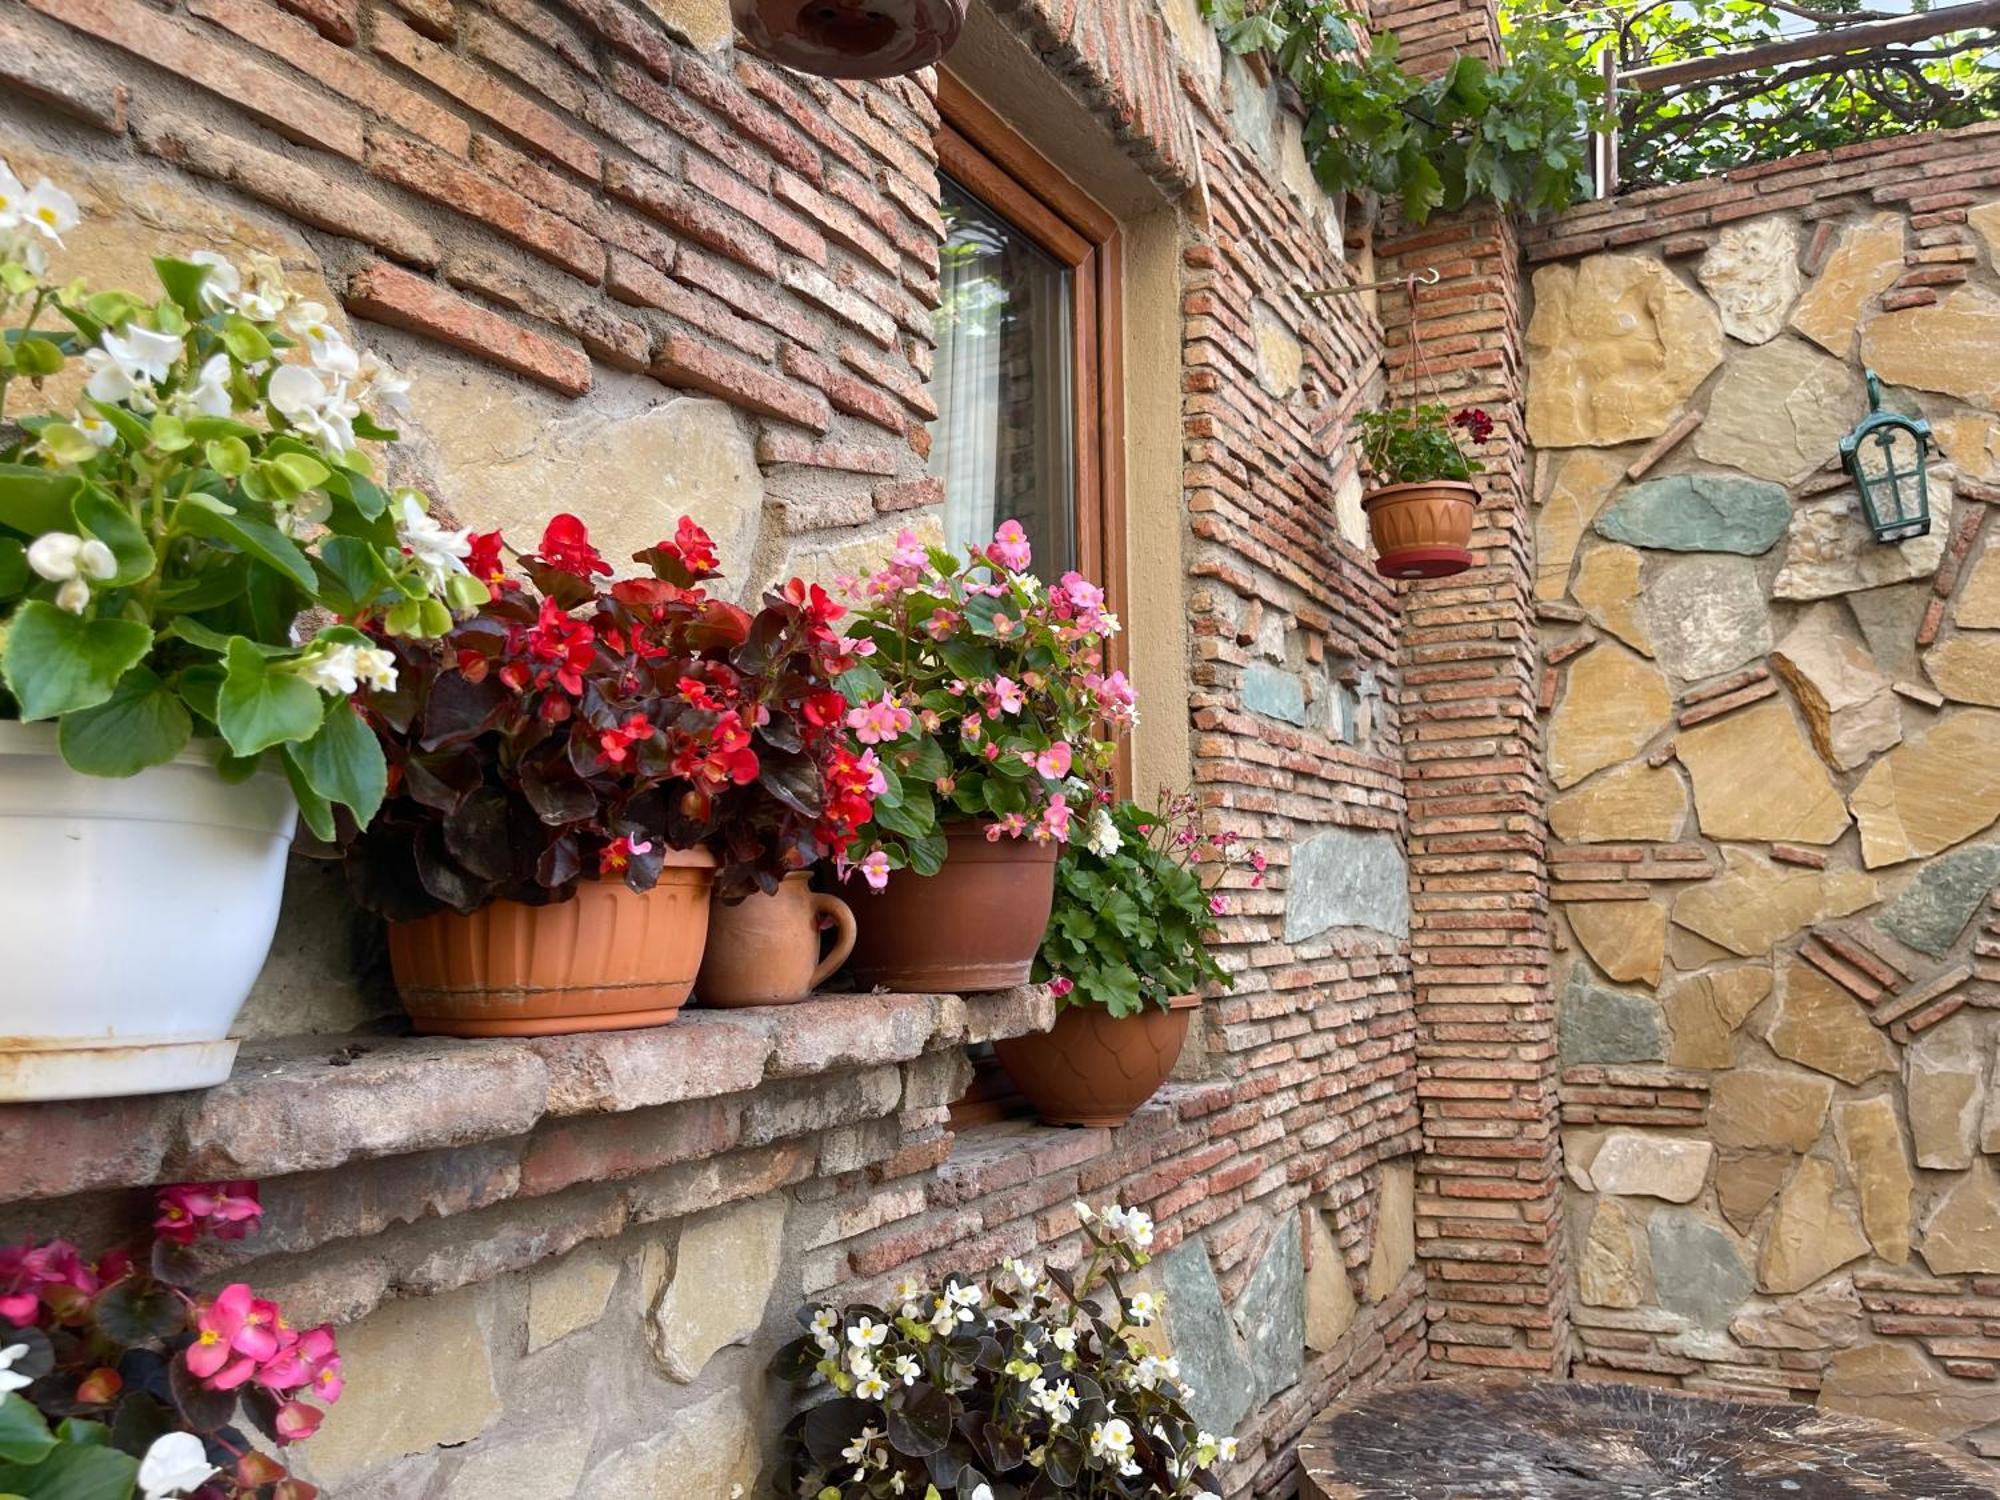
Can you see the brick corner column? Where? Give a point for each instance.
(1490, 1181)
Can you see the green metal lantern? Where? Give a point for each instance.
(1888, 457)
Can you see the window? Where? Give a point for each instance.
(1027, 366)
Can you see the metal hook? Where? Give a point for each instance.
(1429, 276)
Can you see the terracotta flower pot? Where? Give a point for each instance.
(975, 925)
(606, 960)
(1421, 530)
(765, 950)
(1095, 1068)
(851, 38)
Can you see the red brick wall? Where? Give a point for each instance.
(1490, 1179)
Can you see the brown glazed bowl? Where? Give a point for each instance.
(851, 38)
(765, 950)
(605, 960)
(1422, 530)
(975, 925)
(1095, 1068)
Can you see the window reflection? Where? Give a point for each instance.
(1004, 441)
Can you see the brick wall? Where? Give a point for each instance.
(1490, 1177)
(632, 270)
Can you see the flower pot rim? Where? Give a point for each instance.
(1390, 492)
(39, 739)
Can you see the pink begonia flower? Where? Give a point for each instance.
(1055, 821)
(1218, 906)
(1081, 592)
(990, 750)
(870, 765)
(910, 552)
(875, 870)
(941, 625)
(1054, 762)
(1012, 826)
(228, 1210)
(1009, 547)
(26, 1269)
(879, 722)
(1061, 985)
(214, 1355)
(1002, 626)
(1004, 696)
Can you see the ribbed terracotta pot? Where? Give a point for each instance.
(608, 959)
(975, 925)
(851, 38)
(1421, 530)
(1095, 1068)
(765, 950)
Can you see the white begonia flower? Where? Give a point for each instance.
(312, 406)
(864, 1450)
(45, 208)
(383, 386)
(1083, 1211)
(340, 668)
(871, 1388)
(175, 1464)
(1103, 839)
(265, 295)
(100, 432)
(210, 393)
(438, 553)
(906, 1369)
(825, 1320)
(1142, 1308)
(125, 366)
(304, 514)
(61, 555)
(10, 1378)
(223, 287)
(983, 1492)
(867, 1333)
(1111, 1439)
(963, 1294)
(328, 348)
(1064, 1339)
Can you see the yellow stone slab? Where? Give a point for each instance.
(1613, 705)
(1630, 802)
(1755, 903)
(1756, 777)
(1930, 793)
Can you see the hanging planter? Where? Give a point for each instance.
(1421, 530)
(851, 38)
(1420, 512)
(765, 949)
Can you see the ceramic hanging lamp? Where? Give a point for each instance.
(851, 38)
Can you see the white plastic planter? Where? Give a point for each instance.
(134, 917)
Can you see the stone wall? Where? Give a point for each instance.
(633, 271)
(1774, 769)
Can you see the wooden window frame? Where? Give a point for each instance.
(980, 149)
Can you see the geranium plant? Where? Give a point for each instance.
(1027, 1385)
(1419, 444)
(117, 1381)
(212, 482)
(577, 727)
(1136, 903)
(984, 693)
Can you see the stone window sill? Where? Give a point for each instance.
(310, 1104)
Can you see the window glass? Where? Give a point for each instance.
(1004, 441)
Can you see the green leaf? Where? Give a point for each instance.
(136, 433)
(245, 340)
(58, 662)
(352, 573)
(13, 567)
(219, 641)
(305, 472)
(261, 705)
(74, 1470)
(183, 280)
(344, 762)
(34, 501)
(24, 1436)
(143, 723)
(228, 456)
(102, 517)
(259, 539)
(37, 357)
(315, 809)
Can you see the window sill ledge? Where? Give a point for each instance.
(308, 1104)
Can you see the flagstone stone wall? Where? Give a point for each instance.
(1773, 764)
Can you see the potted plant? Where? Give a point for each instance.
(1025, 1383)
(1126, 948)
(1421, 507)
(985, 695)
(560, 763)
(118, 1379)
(162, 721)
